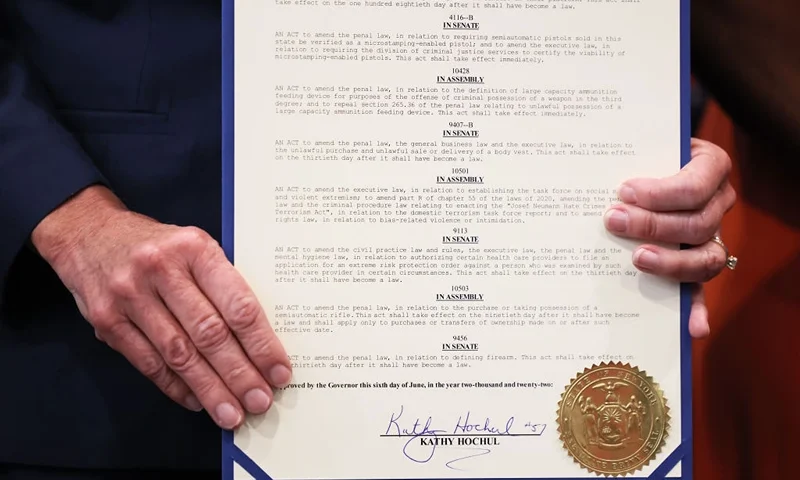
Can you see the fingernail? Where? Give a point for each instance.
(280, 376)
(193, 404)
(627, 194)
(645, 259)
(256, 401)
(227, 416)
(617, 220)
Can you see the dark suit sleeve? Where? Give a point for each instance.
(745, 53)
(41, 163)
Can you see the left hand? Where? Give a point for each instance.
(687, 208)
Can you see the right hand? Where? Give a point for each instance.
(168, 299)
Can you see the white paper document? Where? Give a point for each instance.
(416, 193)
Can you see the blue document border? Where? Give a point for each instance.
(232, 454)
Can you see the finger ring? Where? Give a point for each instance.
(730, 261)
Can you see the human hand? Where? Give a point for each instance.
(166, 298)
(687, 208)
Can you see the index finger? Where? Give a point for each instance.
(690, 189)
(237, 304)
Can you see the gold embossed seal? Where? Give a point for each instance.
(613, 419)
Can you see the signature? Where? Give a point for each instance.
(471, 433)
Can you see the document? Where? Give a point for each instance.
(415, 191)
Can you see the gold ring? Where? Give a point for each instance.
(730, 260)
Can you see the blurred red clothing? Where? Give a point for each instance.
(747, 373)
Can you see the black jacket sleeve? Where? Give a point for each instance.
(41, 163)
(746, 53)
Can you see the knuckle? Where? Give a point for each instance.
(721, 157)
(730, 197)
(172, 386)
(148, 255)
(196, 233)
(193, 242)
(703, 150)
(206, 387)
(650, 225)
(713, 263)
(265, 350)
(715, 221)
(102, 316)
(192, 237)
(122, 283)
(238, 374)
(702, 226)
(179, 353)
(245, 311)
(695, 189)
(115, 330)
(212, 333)
(153, 368)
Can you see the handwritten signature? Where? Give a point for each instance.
(467, 434)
